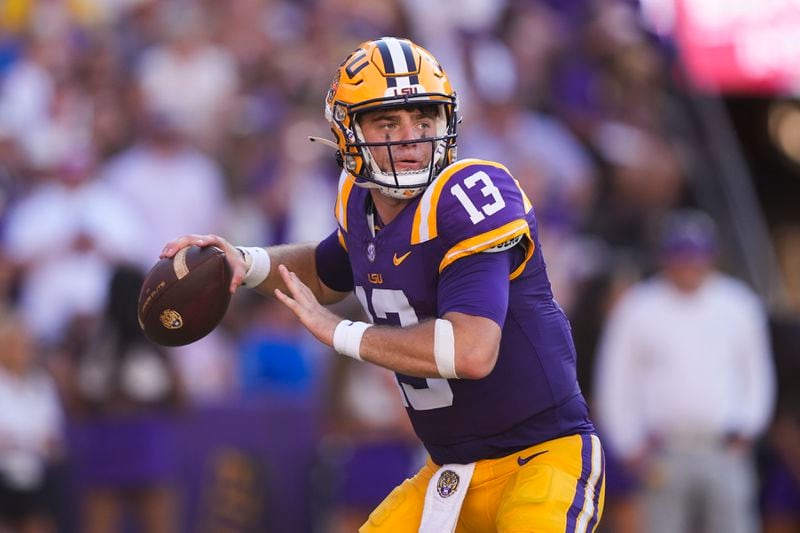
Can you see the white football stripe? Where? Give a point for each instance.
(179, 263)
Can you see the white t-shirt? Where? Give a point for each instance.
(674, 364)
(30, 418)
(173, 193)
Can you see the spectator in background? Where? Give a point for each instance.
(167, 182)
(646, 179)
(64, 235)
(121, 390)
(27, 90)
(189, 78)
(535, 33)
(685, 385)
(13, 172)
(30, 433)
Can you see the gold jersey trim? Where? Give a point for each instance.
(489, 239)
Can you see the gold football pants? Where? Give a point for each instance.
(555, 486)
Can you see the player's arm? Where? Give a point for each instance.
(301, 258)
(475, 342)
(463, 343)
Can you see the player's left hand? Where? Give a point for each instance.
(316, 318)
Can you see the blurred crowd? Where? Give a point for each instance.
(125, 123)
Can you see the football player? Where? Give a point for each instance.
(444, 256)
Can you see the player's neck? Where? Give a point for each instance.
(387, 208)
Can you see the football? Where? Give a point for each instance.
(183, 298)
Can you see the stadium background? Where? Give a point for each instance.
(124, 123)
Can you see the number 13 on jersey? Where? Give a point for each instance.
(438, 393)
(489, 190)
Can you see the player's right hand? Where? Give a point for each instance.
(232, 255)
(304, 304)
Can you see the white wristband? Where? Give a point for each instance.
(444, 348)
(258, 265)
(347, 338)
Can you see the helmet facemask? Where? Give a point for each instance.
(396, 183)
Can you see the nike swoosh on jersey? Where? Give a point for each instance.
(522, 461)
(397, 260)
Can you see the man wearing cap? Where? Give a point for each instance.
(685, 385)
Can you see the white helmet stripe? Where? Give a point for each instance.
(399, 60)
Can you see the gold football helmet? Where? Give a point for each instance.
(387, 73)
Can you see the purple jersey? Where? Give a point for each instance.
(532, 395)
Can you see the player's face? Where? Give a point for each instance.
(387, 125)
